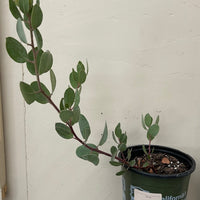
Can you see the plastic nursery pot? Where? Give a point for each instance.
(171, 187)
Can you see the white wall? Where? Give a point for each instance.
(143, 57)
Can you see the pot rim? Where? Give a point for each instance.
(171, 151)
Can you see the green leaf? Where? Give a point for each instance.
(87, 67)
(36, 16)
(26, 21)
(113, 151)
(46, 62)
(144, 149)
(114, 138)
(118, 130)
(84, 127)
(20, 31)
(80, 67)
(15, 50)
(62, 104)
(73, 77)
(38, 38)
(76, 115)
(143, 123)
(122, 147)
(14, 10)
(87, 154)
(77, 97)
(104, 135)
(146, 164)
(64, 131)
(66, 116)
(129, 154)
(38, 2)
(69, 97)
(123, 138)
(81, 77)
(157, 119)
(120, 173)
(152, 132)
(114, 163)
(30, 66)
(24, 6)
(132, 163)
(39, 97)
(27, 92)
(148, 120)
(53, 80)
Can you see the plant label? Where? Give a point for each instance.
(141, 195)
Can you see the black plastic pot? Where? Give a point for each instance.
(171, 187)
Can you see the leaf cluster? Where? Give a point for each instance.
(152, 130)
(38, 62)
(29, 17)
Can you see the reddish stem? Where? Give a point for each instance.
(57, 109)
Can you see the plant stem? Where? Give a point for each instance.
(94, 149)
(56, 108)
(149, 147)
(36, 67)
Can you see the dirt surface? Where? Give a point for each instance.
(160, 163)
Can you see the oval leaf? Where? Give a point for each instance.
(132, 163)
(87, 154)
(53, 80)
(39, 97)
(81, 77)
(14, 10)
(118, 130)
(24, 6)
(38, 38)
(152, 132)
(120, 173)
(74, 79)
(31, 66)
(84, 127)
(62, 107)
(46, 62)
(123, 138)
(114, 163)
(77, 97)
(143, 123)
(148, 120)
(113, 151)
(36, 16)
(114, 138)
(76, 115)
(80, 67)
(69, 97)
(20, 31)
(15, 50)
(122, 147)
(27, 92)
(104, 135)
(66, 116)
(129, 154)
(64, 131)
(157, 119)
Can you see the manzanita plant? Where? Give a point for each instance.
(28, 14)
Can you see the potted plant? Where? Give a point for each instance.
(145, 167)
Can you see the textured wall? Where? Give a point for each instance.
(143, 57)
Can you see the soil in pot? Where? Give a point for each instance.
(160, 163)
